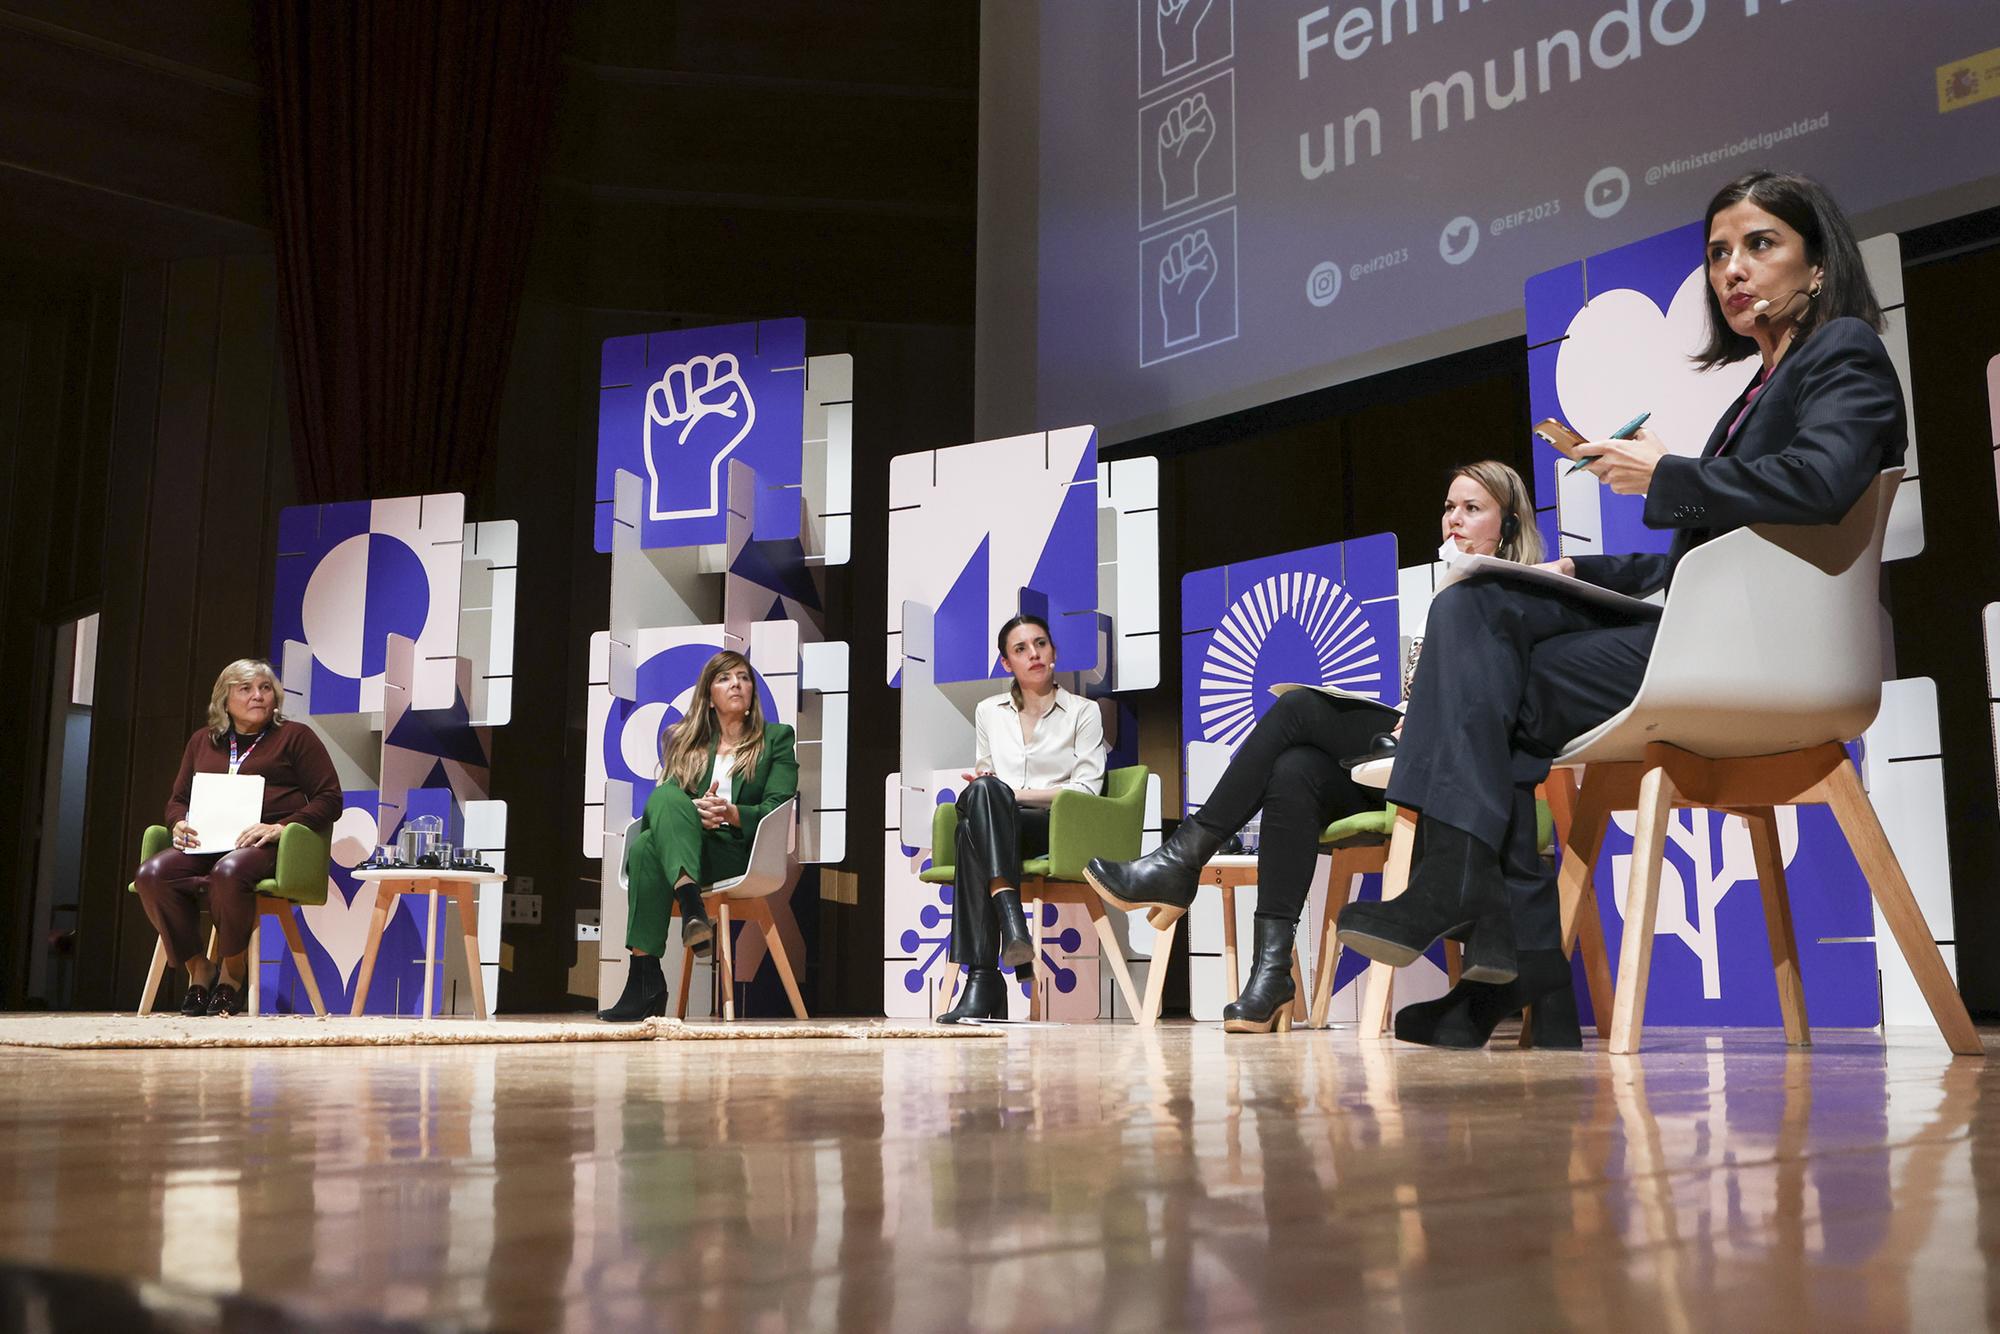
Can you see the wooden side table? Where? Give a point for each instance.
(462, 887)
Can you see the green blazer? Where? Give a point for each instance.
(725, 852)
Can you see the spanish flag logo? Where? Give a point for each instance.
(1973, 79)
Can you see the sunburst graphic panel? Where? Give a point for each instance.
(1325, 615)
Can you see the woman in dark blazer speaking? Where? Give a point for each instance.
(722, 769)
(1511, 674)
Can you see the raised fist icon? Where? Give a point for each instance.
(707, 399)
(1183, 137)
(1174, 24)
(1187, 271)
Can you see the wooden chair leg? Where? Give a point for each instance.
(1454, 962)
(1298, 989)
(154, 974)
(1649, 847)
(1341, 874)
(288, 918)
(1038, 992)
(255, 965)
(1112, 955)
(430, 950)
(726, 974)
(1582, 927)
(1858, 821)
(1770, 858)
(1229, 977)
(1379, 984)
(1156, 971)
(385, 903)
(467, 898)
(776, 946)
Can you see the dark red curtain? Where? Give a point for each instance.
(405, 142)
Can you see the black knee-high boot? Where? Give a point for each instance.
(1457, 890)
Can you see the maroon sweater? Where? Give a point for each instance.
(299, 781)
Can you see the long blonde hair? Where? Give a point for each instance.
(242, 670)
(685, 747)
(1510, 493)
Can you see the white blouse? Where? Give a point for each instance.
(1067, 752)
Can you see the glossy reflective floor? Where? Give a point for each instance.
(1093, 1177)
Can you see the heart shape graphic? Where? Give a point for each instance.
(1624, 357)
(340, 925)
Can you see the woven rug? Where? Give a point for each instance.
(100, 1032)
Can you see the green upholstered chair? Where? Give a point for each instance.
(1081, 826)
(300, 880)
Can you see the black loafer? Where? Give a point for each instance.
(225, 1000)
(195, 1003)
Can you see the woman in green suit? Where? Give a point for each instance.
(722, 769)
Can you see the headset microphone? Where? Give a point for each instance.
(1763, 309)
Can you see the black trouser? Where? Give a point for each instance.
(1289, 766)
(1509, 676)
(995, 833)
(1531, 882)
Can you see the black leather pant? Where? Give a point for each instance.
(995, 833)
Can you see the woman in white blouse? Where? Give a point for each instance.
(1033, 742)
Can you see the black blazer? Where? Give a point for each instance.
(1828, 421)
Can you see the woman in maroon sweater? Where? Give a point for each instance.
(245, 733)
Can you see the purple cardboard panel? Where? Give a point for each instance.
(675, 407)
(1326, 615)
(1550, 298)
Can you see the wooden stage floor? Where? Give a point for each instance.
(1089, 1178)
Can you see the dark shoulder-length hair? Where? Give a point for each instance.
(1804, 205)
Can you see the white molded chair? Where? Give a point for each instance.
(1769, 658)
(770, 870)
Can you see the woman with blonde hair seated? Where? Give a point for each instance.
(246, 732)
(722, 769)
(1294, 767)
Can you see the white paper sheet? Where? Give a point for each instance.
(221, 807)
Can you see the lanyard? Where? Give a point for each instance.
(235, 760)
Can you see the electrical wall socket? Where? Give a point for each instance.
(522, 908)
(588, 927)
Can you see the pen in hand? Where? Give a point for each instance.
(1625, 432)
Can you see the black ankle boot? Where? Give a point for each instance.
(645, 992)
(1456, 889)
(1163, 880)
(697, 932)
(1017, 942)
(1468, 1014)
(1267, 996)
(984, 997)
